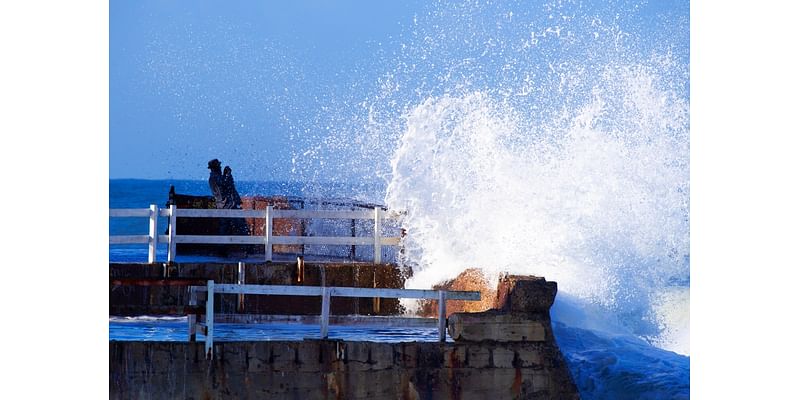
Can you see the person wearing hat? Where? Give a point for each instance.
(215, 182)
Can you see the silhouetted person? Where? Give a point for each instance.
(226, 196)
(229, 192)
(236, 226)
(215, 183)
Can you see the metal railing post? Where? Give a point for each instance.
(240, 281)
(353, 234)
(268, 235)
(172, 231)
(210, 321)
(442, 315)
(377, 234)
(326, 311)
(153, 241)
(191, 319)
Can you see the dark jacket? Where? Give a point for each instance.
(229, 192)
(216, 184)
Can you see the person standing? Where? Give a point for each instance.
(226, 196)
(215, 183)
(232, 198)
(237, 226)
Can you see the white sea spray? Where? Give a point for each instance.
(547, 139)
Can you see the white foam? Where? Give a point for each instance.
(602, 212)
(537, 139)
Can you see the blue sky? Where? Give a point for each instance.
(249, 82)
(191, 81)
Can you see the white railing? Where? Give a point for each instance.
(171, 239)
(207, 328)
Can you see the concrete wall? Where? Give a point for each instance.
(508, 352)
(323, 369)
(144, 300)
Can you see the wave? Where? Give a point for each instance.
(550, 140)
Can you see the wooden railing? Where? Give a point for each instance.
(153, 239)
(207, 328)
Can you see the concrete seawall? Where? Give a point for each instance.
(508, 352)
(143, 300)
(323, 369)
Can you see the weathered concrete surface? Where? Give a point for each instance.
(525, 294)
(513, 294)
(143, 300)
(496, 326)
(471, 279)
(321, 369)
(505, 353)
(521, 313)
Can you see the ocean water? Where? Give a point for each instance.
(174, 329)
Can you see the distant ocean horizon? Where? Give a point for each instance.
(135, 192)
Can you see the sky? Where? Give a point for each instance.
(192, 81)
(257, 84)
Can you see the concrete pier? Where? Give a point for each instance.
(508, 352)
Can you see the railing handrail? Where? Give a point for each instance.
(237, 213)
(350, 320)
(269, 238)
(340, 291)
(326, 292)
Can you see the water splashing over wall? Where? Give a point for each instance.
(549, 140)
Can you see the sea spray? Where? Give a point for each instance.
(603, 213)
(548, 139)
